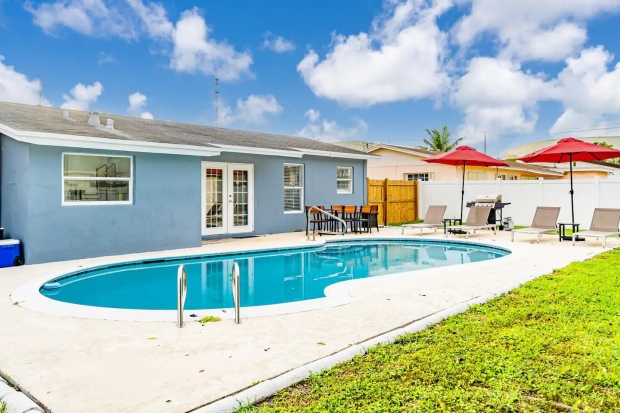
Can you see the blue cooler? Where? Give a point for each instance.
(10, 253)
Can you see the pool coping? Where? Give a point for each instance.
(28, 295)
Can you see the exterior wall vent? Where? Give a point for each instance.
(65, 114)
(109, 124)
(93, 119)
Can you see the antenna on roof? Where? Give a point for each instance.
(40, 84)
(217, 92)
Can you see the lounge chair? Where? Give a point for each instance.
(605, 224)
(476, 219)
(432, 219)
(545, 221)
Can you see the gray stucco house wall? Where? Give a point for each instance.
(166, 210)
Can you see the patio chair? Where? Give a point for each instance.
(476, 219)
(365, 219)
(351, 217)
(374, 217)
(545, 221)
(432, 219)
(605, 224)
(316, 220)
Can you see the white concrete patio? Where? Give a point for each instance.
(73, 365)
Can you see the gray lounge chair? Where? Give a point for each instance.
(545, 221)
(476, 219)
(605, 224)
(432, 219)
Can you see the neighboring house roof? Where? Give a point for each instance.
(371, 147)
(46, 126)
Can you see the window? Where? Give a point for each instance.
(507, 177)
(529, 178)
(293, 188)
(96, 179)
(477, 176)
(344, 179)
(424, 176)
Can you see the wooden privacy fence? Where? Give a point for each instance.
(397, 200)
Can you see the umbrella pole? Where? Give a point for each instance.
(463, 191)
(572, 204)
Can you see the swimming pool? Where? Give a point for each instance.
(266, 277)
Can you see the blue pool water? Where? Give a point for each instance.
(266, 277)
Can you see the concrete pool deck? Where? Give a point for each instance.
(83, 365)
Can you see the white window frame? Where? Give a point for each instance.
(88, 178)
(342, 191)
(303, 182)
(430, 176)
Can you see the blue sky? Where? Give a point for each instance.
(331, 70)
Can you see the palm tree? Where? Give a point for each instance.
(440, 141)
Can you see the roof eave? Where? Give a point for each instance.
(89, 142)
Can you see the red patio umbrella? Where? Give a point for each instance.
(464, 155)
(571, 150)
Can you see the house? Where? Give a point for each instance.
(581, 170)
(406, 162)
(77, 184)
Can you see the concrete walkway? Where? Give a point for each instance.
(79, 365)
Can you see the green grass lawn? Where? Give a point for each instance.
(552, 345)
(3, 407)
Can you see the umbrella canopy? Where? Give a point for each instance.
(571, 150)
(464, 155)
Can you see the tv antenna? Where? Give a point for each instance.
(40, 83)
(217, 92)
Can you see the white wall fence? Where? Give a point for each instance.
(525, 196)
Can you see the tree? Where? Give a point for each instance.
(440, 141)
(606, 145)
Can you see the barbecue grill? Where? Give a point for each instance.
(497, 207)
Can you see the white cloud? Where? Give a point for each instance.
(400, 58)
(532, 29)
(16, 87)
(154, 18)
(589, 92)
(195, 52)
(313, 115)
(252, 110)
(498, 97)
(105, 58)
(278, 43)
(546, 45)
(137, 102)
(330, 131)
(82, 96)
(90, 17)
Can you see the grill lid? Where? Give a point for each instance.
(489, 198)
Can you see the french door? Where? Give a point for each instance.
(227, 198)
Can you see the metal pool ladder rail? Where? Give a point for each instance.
(236, 292)
(181, 294)
(342, 221)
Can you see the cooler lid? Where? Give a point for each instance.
(9, 242)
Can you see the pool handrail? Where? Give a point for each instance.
(236, 292)
(181, 294)
(344, 224)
